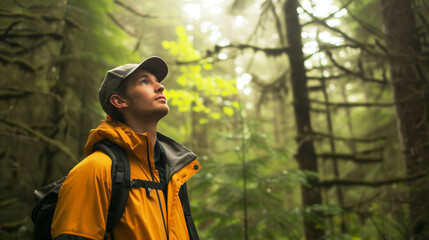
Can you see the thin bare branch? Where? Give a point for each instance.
(278, 24)
(366, 26)
(370, 151)
(23, 64)
(326, 78)
(265, 7)
(349, 139)
(134, 10)
(33, 35)
(60, 146)
(363, 46)
(24, 92)
(125, 29)
(351, 157)
(356, 74)
(365, 104)
(332, 14)
(276, 83)
(374, 183)
(268, 51)
(353, 206)
(318, 110)
(217, 49)
(70, 22)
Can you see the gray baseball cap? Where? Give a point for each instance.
(114, 77)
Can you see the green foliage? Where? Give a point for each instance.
(53, 57)
(199, 91)
(241, 178)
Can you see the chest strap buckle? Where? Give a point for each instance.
(147, 185)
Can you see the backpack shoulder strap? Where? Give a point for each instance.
(192, 230)
(120, 181)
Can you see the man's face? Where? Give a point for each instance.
(145, 96)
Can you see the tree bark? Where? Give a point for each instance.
(306, 155)
(58, 106)
(399, 26)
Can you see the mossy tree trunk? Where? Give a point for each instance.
(410, 94)
(306, 155)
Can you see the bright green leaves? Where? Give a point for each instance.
(183, 49)
(202, 90)
(228, 110)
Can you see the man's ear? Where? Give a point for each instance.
(118, 101)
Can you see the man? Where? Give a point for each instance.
(132, 97)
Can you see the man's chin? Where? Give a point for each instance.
(162, 112)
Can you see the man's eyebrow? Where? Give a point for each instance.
(147, 76)
(143, 75)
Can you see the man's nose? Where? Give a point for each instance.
(159, 88)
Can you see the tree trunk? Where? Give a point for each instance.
(305, 154)
(399, 27)
(58, 106)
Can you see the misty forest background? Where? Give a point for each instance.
(310, 117)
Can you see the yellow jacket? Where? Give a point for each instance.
(84, 198)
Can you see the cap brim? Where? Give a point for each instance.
(154, 65)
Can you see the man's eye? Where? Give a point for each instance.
(145, 82)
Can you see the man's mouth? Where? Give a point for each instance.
(161, 98)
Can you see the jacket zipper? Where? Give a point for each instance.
(157, 194)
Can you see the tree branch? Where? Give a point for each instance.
(42, 137)
(125, 29)
(348, 139)
(351, 157)
(330, 46)
(24, 50)
(373, 150)
(268, 51)
(317, 110)
(314, 88)
(134, 10)
(330, 15)
(363, 46)
(265, 7)
(217, 49)
(359, 75)
(13, 95)
(359, 203)
(366, 26)
(375, 183)
(278, 24)
(273, 85)
(20, 62)
(70, 22)
(19, 136)
(10, 27)
(33, 35)
(12, 226)
(326, 78)
(17, 92)
(424, 22)
(356, 104)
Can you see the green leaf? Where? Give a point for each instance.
(203, 121)
(228, 111)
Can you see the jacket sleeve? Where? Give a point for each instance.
(83, 200)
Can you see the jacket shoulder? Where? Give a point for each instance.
(96, 166)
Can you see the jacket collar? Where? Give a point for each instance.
(177, 155)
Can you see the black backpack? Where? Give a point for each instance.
(46, 197)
